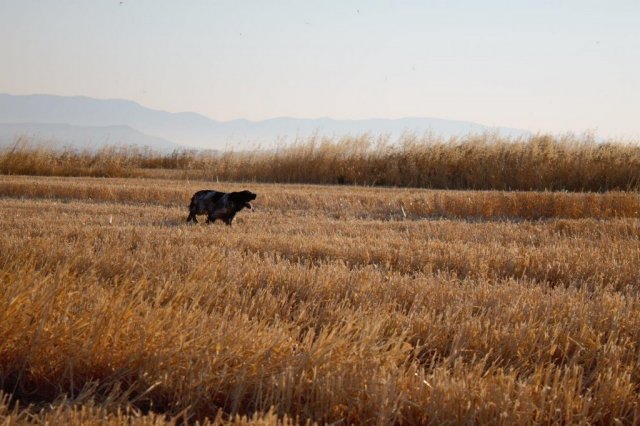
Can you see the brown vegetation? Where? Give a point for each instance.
(475, 162)
(330, 304)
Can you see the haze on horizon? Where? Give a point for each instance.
(535, 65)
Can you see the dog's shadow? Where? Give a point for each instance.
(181, 223)
(173, 223)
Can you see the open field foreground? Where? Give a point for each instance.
(326, 304)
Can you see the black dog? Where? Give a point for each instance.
(219, 205)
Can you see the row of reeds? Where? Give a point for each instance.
(485, 162)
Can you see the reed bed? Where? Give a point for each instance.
(327, 304)
(486, 162)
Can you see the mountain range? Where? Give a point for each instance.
(88, 123)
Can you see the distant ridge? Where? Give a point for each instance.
(81, 137)
(95, 122)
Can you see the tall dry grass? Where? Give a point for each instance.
(476, 162)
(113, 310)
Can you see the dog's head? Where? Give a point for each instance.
(242, 199)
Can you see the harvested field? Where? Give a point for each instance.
(333, 304)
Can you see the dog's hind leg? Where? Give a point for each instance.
(192, 218)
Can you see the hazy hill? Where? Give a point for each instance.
(81, 137)
(195, 130)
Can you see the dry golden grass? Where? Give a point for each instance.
(475, 162)
(326, 304)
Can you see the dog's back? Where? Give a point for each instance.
(205, 196)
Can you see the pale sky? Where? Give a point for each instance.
(537, 65)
